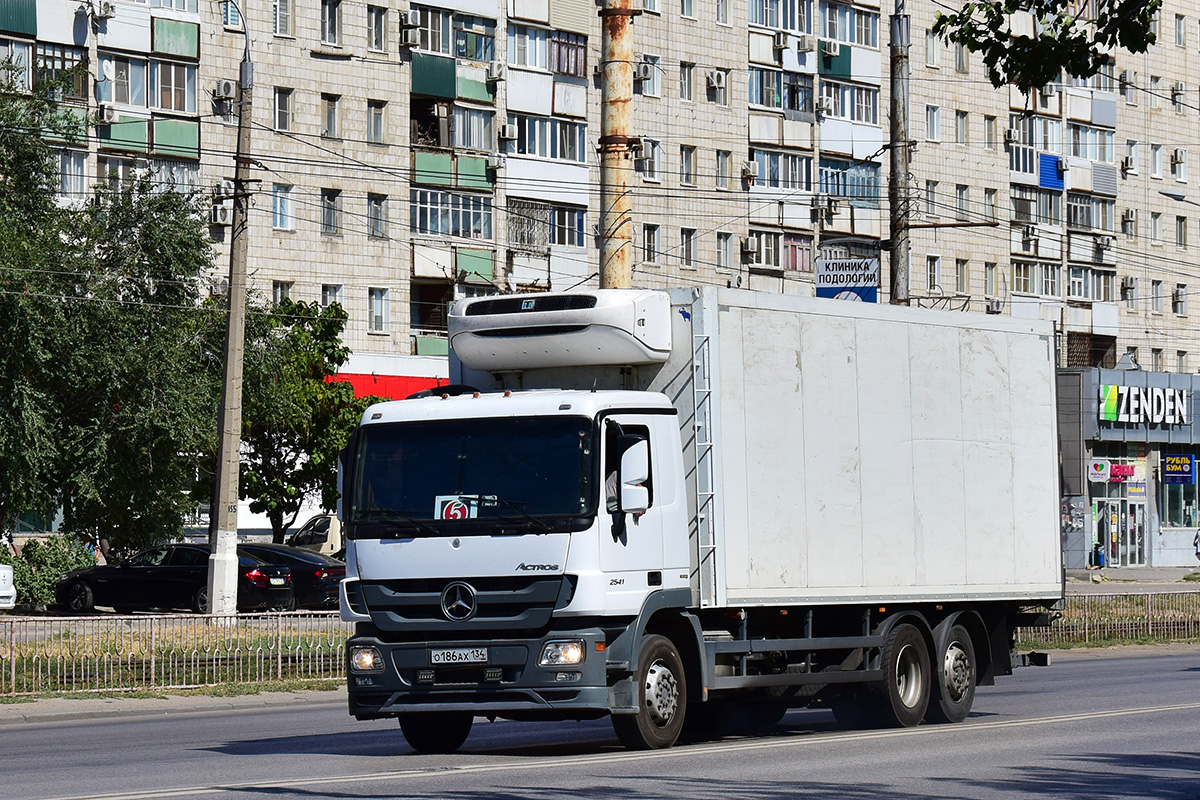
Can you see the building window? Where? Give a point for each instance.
(568, 54)
(1156, 160)
(19, 55)
(127, 85)
(962, 202)
(1155, 90)
(375, 121)
(1156, 359)
(1179, 299)
(962, 61)
(650, 160)
(961, 275)
(1156, 296)
(329, 115)
(961, 131)
(567, 225)
(331, 211)
(845, 101)
(54, 60)
(724, 169)
(283, 109)
(765, 246)
(331, 293)
(797, 253)
(685, 9)
(989, 279)
(785, 170)
(1181, 226)
(686, 71)
(450, 214)
(377, 215)
(933, 272)
(281, 17)
(687, 165)
(377, 310)
(71, 184)
(473, 128)
(718, 90)
(280, 291)
(528, 47)
(283, 212)
(989, 205)
(723, 12)
(435, 31)
(931, 202)
(1022, 277)
(173, 86)
(474, 38)
(230, 17)
(724, 250)
(1181, 361)
(933, 123)
(652, 86)
(932, 48)
(376, 28)
(1180, 30)
(687, 247)
(1179, 164)
(650, 244)
(548, 137)
(331, 22)
(1155, 226)
(1050, 279)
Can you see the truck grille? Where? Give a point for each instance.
(529, 303)
(500, 604)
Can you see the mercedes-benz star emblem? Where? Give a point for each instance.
(458, 601)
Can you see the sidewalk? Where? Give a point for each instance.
(1131, 580)
(68, 709)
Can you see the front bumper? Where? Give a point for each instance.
(510, 684)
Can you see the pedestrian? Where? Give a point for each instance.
(1196, 544)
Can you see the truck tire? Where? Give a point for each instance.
(436, 732)
(902, 697)
(662, 697)
(954, 683)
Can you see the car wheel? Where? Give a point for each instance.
(200, 600)
(79, 598)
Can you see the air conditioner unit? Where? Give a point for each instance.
(716, 79)
(222, 190)
(750, 170)
(994, 305)
(225, 90)
(1104, 242)
(1176, 295)
(806, 43)
(1063, 167)
(410, 18)
(1012, 136)
(495, 161)
(749, 246)
(495, 70)
(107, 115)
(106, 10)
(508, 132)
(1123, 76)
(1127, 164)
(831, 206)
(1129, 215)
(1049, 90)
(642, 71)
(221, 214)
(1178, 89)
(1128, 283)
(824, 105)
(1178, 155)
(640, 144)
(781, 40)
(410, 37)
(832, 49)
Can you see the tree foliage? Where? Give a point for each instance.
(37, 569)
(1064, 36)
(295, 419)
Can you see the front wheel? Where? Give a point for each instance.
(662, 698)
(200, 600)
(79, 598)
(954, 688)
(436, 732)
(902, 696)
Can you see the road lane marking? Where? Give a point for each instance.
(805, 738)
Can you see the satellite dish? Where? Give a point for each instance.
(109, 69)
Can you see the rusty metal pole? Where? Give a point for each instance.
(616, 152)
(898, 198)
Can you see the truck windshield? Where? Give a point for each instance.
(462, 476)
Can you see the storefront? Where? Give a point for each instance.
(1129, 444)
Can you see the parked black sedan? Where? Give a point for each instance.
(171, 576)
(315, 577)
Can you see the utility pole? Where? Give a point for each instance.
(899, 157)
(223, 560)
(616, 123)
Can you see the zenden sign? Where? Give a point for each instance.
(1144, 405)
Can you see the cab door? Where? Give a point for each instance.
(631, 543)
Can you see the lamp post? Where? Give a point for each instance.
(223, 559)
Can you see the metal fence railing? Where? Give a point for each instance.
(39, 655)
(121, 653)
(1101, 618)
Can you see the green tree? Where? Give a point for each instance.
(295, 419)
(42, 561)
(1065, 36)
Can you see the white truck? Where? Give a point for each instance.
(702, 507)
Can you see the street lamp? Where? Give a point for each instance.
(1178, 196)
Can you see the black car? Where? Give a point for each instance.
(315, 577)
(171, 576)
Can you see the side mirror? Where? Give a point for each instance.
(635, 471)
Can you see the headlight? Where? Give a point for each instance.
(563, 653)
(366, 659)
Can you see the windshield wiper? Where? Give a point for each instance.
(391, 518)
(493, 499)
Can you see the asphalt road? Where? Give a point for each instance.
(1089, 727)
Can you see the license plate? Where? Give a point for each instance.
(277, 581)
(458, 655)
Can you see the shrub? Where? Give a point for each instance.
(42, 562)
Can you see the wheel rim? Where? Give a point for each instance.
(957, 669)
(78, 597)
(909, 679)
(662, 694)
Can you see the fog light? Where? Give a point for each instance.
(366, 659)
(566, 677)
(562, 653)
(425, 676)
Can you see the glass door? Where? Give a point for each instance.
(1130, 546)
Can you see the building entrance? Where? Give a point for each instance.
(1120, 532)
